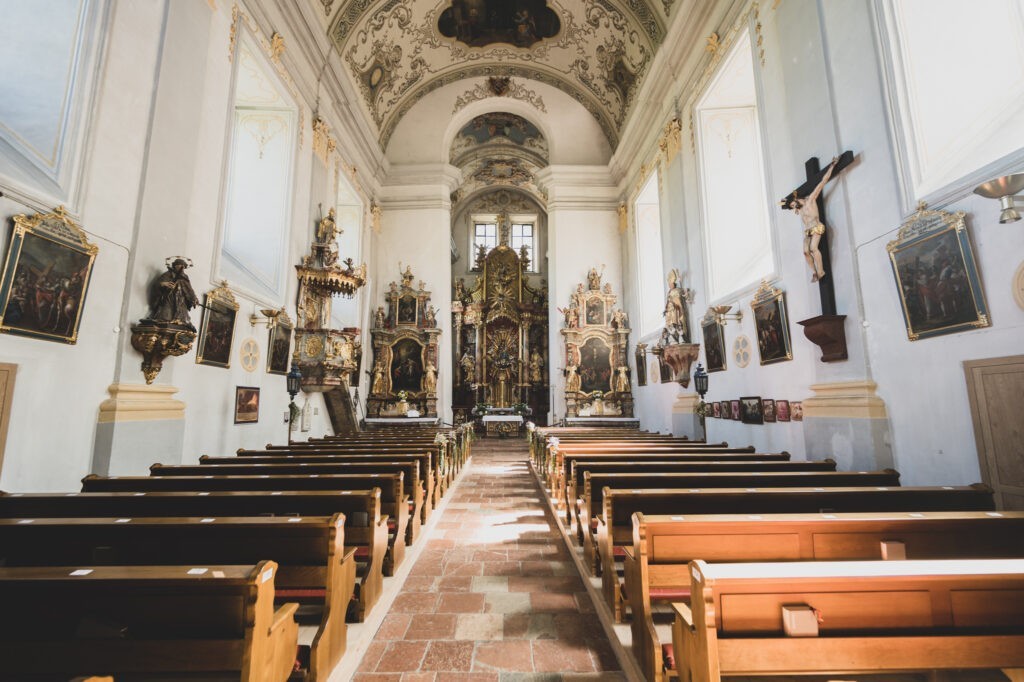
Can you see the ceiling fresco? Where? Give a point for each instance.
(596, 51)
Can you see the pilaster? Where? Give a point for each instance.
(850, 423)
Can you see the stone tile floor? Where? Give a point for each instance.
(495, 596)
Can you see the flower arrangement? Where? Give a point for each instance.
(403, 395)
(481, 409)
(522, 408)
(597, 395)
(702, 409)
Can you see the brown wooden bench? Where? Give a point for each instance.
(425, 460)
(409, 469)
(313, 565)
(614, 525)
(874, 617)
(393, 502)
(594, 484)
(146, 621)
(365, 528)
(656, 564)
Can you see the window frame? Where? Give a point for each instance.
(656, 178)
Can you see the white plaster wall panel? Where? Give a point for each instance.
(424, 134)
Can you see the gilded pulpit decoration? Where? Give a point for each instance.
(405, 339)
(500, 326)
(674, 350)
(168, 330)
(326, 357)
(596, 352)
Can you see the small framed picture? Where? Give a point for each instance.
(247, 404)
(782, 410)
(796, 410)
(734, 409)
(751, 411)
(716, 410)
(768, 410)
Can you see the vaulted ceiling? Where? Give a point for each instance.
(398, 51)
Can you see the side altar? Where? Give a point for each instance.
(596, 353)
(405, 337)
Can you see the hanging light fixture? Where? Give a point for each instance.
(1006, 189)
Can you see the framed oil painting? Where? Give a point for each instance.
(768, 410)
(641, 364)
(46, 276)
(247, 404)
(407, 310)
(771, 325)
(595, 366)
(936, 276)
(796, 411)
(716, 410)
(734, 409)
(782, 410)
(406, 366)
(714, 345)
(751, 410)
(279, 345)
(595, 312)
(218, 327)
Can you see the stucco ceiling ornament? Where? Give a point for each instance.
(499, 86)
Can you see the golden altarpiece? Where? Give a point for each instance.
(326, 357)
(596, 335)
(405, 337)
(501, 331)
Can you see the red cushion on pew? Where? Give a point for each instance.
(362, 552)
(300, 593)
(618, 552)
(670, 594)
(668, 656)
(593, 524)
(392, 525)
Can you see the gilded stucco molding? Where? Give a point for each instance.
(499, 86)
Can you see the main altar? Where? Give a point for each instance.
(500, 335)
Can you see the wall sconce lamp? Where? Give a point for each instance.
(722, 315)
(269, 317)
(1008, 190)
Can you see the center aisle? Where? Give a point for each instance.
(495, 596)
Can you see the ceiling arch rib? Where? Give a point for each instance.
(396, 53)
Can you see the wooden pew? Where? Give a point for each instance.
(615, 523)
(409, 469)
(594, 485)
(555, 470)
(578, 466)
(365, 528)
(425, 460)
(876, 617)
(145, 621)
(393, 503)
(656, 564)
(313, 564)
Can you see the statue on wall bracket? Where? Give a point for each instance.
(597, 376)
(405, 341)
(328, 358)
(168, 330)
(674, 349)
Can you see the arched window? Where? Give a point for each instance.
(647, 210)
(257, 207)
(958, 89)
(737, 231)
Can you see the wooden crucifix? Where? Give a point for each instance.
(806, 202)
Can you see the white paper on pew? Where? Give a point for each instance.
(140, 494)
(122, 521)
(218, 574)
(197, 571)
(81, 571)
(25, 521)
(207, 520)
(276, 492)
(203, 494)
(293, 520)
(267, 575)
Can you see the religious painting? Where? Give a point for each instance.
(734, 409)
(247, 404)
(768, 410)
(595, 366)
(782, 410)
(406, 366)
(407, 310)
(771, 325)
(595, 312)
(936, 276)
(751, 410)
(641, 364)
(716, 410)
(479, 23)
(46, 276)
(796, 410)
(218, 328)
(714, 346)
(280, 348)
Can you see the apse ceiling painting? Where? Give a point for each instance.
(596, 51)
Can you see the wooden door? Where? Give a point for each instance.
(995, 387)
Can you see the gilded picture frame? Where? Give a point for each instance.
(937, 278)
(217, 331)
(46, 277)
(771, 324)
(279, 344)
(247, 404)
(715, 353)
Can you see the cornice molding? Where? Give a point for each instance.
(579, 188)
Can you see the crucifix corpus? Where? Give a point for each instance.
(807, 203)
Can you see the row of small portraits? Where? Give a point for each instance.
(756, 410)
